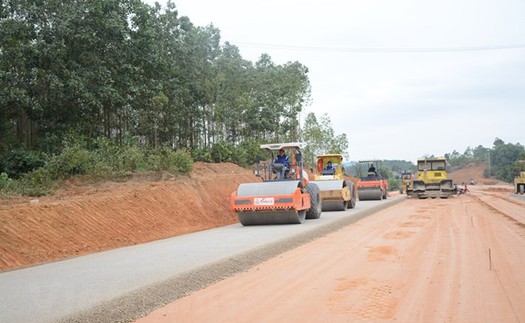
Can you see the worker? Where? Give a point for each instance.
(282, 158)
(329, 166)
(372, 169)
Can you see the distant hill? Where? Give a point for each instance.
(472, 172)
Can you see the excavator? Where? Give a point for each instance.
(285, 195)
(337, 193)
(432, 179)
(372, 186)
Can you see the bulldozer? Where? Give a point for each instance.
(432, 179)
(406, 183)
(519, 180)
(285, 195)
(337, 193)
(372, 186)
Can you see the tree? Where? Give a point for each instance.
(503, 158)
(321, 139)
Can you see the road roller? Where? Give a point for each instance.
(284, 195)
(372, 186)
(337, 193)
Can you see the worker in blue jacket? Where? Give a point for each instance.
(282, 158)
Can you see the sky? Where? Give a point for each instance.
(402, 79)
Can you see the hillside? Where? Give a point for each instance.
(473, 172)
(82, 219)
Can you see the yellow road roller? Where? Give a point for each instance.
(337, 193)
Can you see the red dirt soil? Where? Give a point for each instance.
(473, 172)
(79, 220)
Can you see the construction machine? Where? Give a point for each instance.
(406, 183)
(432, 179)
(285, 195)
(372, 186)
(519, 180)
(337, 193)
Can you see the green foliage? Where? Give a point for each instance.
(247, 152)
(179, 161)
(202, 155)
(35, 183)
(73, 160)
(124, 69)
(5, 182)
(104, 159)
(400, 165)
(321, 139)
(20, 161)
(394, 184)
(503, 159)
(222, 152)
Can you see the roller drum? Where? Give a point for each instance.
(370, 194)
(271, 217)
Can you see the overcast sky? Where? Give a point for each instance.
(402, 78)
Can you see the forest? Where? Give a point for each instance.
(108, 87)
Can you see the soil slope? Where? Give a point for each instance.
(86, 219)
(473, 172)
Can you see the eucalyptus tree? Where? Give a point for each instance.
(321, 138)
(232, 98)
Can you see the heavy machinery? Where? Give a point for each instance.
(519, 180)
(432, 179)
(285, 195)
(337, 193)
(406, 183)
(372, 186)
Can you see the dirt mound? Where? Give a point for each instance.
(473, 172)
(90, 218)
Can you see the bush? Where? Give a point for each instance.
(104, 160)
(5, 182)
(222, 152)
(73, 160)
(394, 184)
(167, 159)
(20, 161)
(35, 183)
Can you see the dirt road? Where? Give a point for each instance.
(455, 260)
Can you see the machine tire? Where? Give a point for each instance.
(521, 189)
(315, 201)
